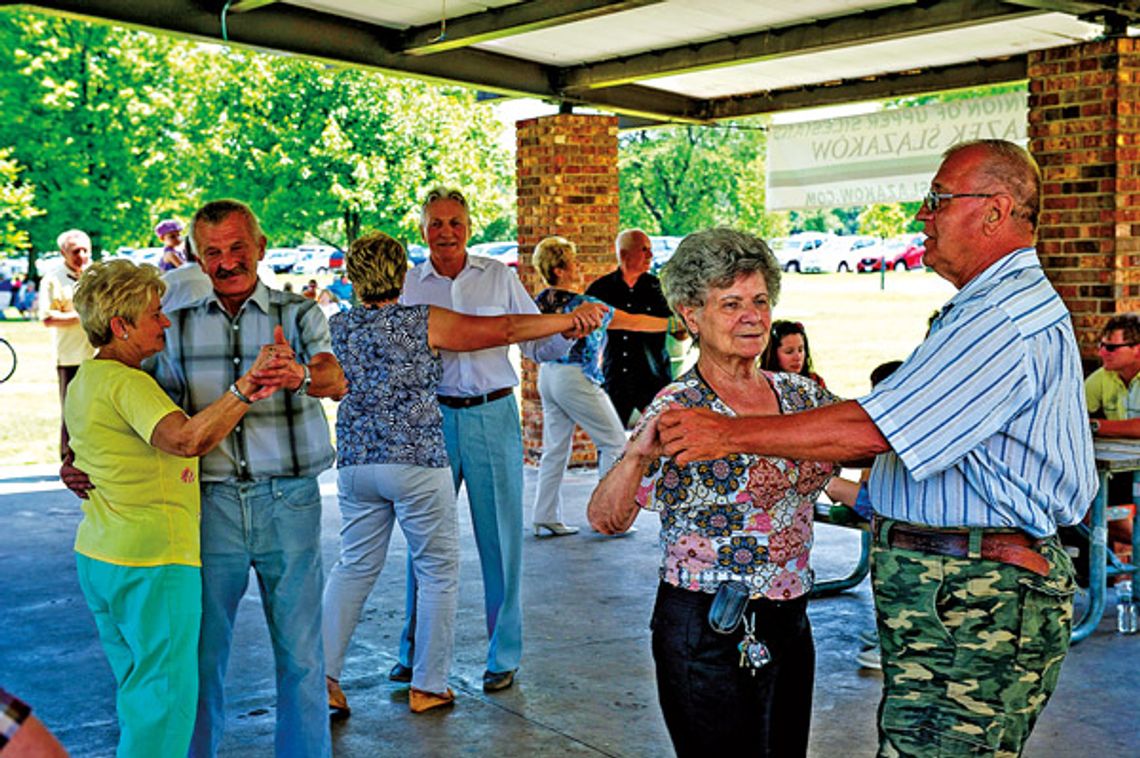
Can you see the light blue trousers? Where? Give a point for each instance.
(569, 398)
(148, 618)
(273, 526)
(422, 500)
(484, 444)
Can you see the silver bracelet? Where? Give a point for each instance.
(239, 394)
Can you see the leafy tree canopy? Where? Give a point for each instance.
(119, 128)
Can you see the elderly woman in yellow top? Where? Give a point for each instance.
(137, 545)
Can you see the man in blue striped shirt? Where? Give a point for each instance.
(983, 448)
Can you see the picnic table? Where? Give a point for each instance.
(1114, 457)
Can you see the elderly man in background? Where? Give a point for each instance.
(57, 311)
(983, 450)
(261, 506)
(636, 364)
(480, 422)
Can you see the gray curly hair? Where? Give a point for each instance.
(715, 258)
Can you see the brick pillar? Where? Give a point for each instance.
(567, 178)
(1084, 130)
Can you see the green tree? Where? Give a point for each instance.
(93, 115)
(17, 204)
(679, 179)
(883, 220)
(119, 128)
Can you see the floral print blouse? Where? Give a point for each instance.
(390, 414)
(745, 517)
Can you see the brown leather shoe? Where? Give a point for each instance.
(338, 703)
(420, 701)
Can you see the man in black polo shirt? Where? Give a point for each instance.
(636, 363)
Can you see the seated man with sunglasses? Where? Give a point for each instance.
(1112, 394)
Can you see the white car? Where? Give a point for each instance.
(789, 251)
(506, 252)
(841, 254)
(316, 259)
(281, 259)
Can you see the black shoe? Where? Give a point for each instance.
(400, 673)
(493, 681)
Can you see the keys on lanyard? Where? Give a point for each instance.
(754, 654)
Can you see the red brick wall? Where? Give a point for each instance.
(1084, 131)
(567, 185)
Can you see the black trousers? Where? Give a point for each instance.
(709, 702)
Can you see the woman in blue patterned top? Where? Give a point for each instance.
(391, 459)
(571, 387)
(743, 518)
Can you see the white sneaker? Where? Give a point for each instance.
(870, 659)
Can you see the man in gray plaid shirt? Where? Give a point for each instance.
(261, 505)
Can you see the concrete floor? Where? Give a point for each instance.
(586, 685)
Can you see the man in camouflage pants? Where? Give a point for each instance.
(982, 450)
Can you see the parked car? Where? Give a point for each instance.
(151, 255)
(899, 253)
(417, 254)
(790, 250)
(281, 259)
(506, 252)
(911, 256)
(318, 259)
(841, 254)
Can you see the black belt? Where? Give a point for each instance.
(1012, 548)
(471, 401)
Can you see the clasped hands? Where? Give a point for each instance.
(587, 318)
(275, 368)
(684, 434)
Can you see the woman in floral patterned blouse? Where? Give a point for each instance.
(392, 463)
(744, 517)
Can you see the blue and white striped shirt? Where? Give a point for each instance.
(986, 419)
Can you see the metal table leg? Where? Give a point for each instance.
(835, 586)
(1098, 539)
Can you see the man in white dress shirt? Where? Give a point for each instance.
(480, 422)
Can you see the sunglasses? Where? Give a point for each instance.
(445, 194)
(933, 200)
(1110, 347)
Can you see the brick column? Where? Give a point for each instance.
(567, 185)
(1084, 130)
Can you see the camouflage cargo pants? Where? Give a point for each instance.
(972, 649)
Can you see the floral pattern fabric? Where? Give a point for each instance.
(586, 352)
(391, 414)
(745, 517)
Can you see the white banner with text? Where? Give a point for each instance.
(883, 157)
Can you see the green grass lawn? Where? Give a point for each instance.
(852, 326)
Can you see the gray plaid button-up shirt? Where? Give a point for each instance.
(207, 349)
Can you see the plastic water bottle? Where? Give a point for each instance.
(1126, 621)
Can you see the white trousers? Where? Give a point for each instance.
(422, 500)
(569, 398)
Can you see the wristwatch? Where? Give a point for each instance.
(1094, 426)
(303, 387)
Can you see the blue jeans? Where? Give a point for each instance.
(484, 444)
(274, 526)
(422, 500)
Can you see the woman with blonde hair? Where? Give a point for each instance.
(392, 462)
(571, 387)
(137, 545)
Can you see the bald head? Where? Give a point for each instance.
(634, 252)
